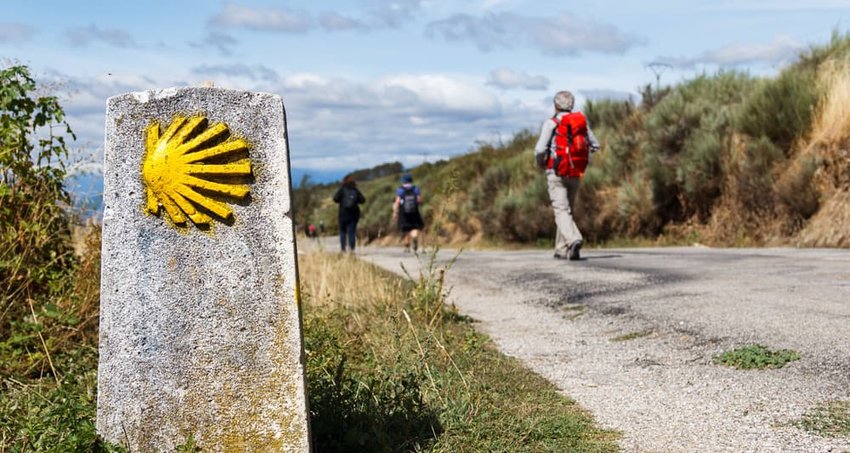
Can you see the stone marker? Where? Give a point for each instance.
(200, 325)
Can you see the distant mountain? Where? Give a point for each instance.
(316, 176)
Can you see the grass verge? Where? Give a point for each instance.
(391, 368)
(756, 357)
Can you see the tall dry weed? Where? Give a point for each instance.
(832, 125)
(830, 142)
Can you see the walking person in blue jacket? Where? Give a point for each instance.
(349, 198)
(406, 211)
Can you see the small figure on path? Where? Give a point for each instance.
(563, 150)
(406, 211)
(311, 231)
(322, 227)
(349, 198)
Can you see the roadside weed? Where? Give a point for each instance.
(756, 357)
(831, 419)
(634, 335)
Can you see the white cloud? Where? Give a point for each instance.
(782, 50)
(262, 19)
(605, 94)
(220, 41)
(84, 36)
(777, 6)
(438, 94)
(393, 13)
(343, 124)
(333, 123)
(507, 79)
(488, 5)
(336, 22)
(254, 72)
(561, 35)
(13, 32)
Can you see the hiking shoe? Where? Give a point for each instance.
(574, 250)
(558, 256)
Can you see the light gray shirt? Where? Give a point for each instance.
(546, 146)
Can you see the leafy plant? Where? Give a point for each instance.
(756, 357)
(35, 248)
(49, 306)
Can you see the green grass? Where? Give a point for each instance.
(634, 335)
(831, 419)
(391, 368)
(756, 357)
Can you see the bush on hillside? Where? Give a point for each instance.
(607, 113)
(781, 108)
(721, 142)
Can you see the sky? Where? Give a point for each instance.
(366, 82)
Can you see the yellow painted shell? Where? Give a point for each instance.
(176, 169)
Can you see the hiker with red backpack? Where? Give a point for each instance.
(406, 211)
(349, 198)
(563, 150)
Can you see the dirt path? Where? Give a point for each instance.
(683, 306)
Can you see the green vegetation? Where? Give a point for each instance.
(391, 368)
(725, 159)
(831, 419)
(48, 311)
(722, 159)
(634, 335)
(756, 357)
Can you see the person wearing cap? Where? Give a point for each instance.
(408, 197)
(562, 190)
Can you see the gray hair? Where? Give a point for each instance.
(564, 101)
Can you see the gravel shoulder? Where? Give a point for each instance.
(683, 306)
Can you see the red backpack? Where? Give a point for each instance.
(571, 150)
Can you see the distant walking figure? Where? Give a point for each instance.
(406, 211)
(563, 150)
(349, 199)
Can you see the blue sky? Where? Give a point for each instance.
(372, 81)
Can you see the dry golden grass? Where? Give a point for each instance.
(832, 125)
(391, 368)
(332, 281)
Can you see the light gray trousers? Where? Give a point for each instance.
(562, 192)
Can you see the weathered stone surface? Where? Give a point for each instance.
(200, 328)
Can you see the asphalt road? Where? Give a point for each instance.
(684, 306)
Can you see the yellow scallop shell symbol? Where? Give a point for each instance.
(185, 167)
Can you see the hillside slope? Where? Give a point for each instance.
(725, 159)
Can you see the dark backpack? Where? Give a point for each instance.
(349, 198)
(409, 203)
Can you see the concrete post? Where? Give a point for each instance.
(200, 328)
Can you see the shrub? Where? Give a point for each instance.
(750, 174)
(608, 113)
(781, 108)
(36, 257)
(797, 193)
